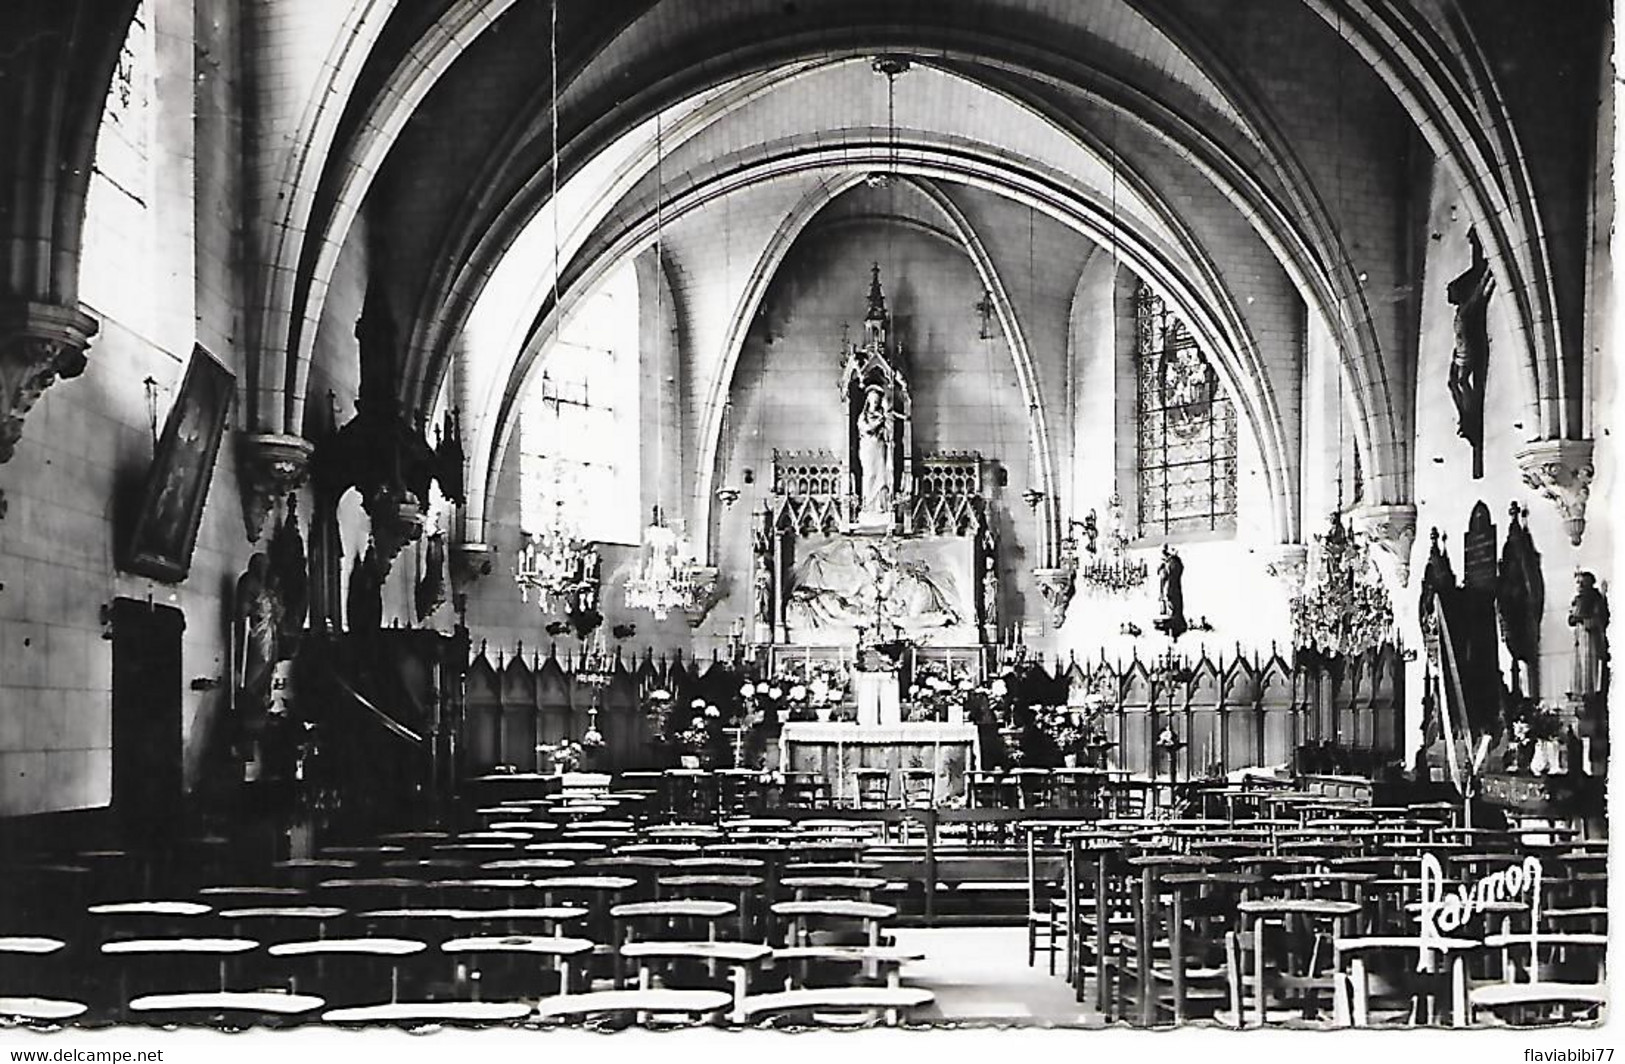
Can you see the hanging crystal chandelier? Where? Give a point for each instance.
(1110, 571)
(555, 564)
(666, 579)
(1344, 608)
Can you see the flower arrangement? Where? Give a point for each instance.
(940, 692)
(801, 690)
(1533, 730)
(1532, 722)
(1063, 724)
(935, 694)
(696, 738)
(703, 738)
(565, 755)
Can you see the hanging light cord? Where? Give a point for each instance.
(1339, 441)
(891, 155)
(553, 74)
(660, 320)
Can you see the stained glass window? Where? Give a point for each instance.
(119, 229)
(1187, 429)
(578, 433)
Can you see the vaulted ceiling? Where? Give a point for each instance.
(1245, 157)
(1257, 161)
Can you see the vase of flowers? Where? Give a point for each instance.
(1534, 743)
(1060, 723)
(696, 742)
(563, 756)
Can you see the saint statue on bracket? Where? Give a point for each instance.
(875, 452)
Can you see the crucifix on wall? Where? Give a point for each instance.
(1470, 359)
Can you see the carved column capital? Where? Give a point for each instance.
(707, 593)
(397, 519)
(39, 343)
(269, 466)
(1057, 587)
(1561, 470)
(1392, 528)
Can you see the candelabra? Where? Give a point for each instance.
(1168, 673)
(595, 669)
(666, 579)
(556, 566)
(1343, 609)
(1111, 571)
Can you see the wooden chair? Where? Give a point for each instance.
(874, 788)
(1100, 918)
(919, 788)
(1034, 787)
(316, 963)
(1540, 1004)
(989, 790)
(512, 980)
(1140, 954)
(1552, 956)
(871, 1002)
(1201, 907)
(647, 1004)
(802, 914)
(146, 919)
(598, 894)
(804, 790)
(417, 1013)
(1421, 993)
(1046, 904)
(670, 919)
(875, 961)
(271, 924)
(740, 957)
(40, 967)
(225, 1008)
(40, 1011)
(1298, 971)
(148, 964)
(811, 887)
(738, 890)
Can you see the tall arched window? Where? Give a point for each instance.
(1187, 429)
(119, 231)
(578, 434)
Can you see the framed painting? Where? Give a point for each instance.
(177, 487)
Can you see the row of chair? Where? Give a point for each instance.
(1263, 919)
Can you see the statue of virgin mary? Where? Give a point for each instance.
(875, 451)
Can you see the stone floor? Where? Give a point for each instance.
(980, 975)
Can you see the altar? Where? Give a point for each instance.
(836, 751)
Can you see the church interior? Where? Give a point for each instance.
(805, 513)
